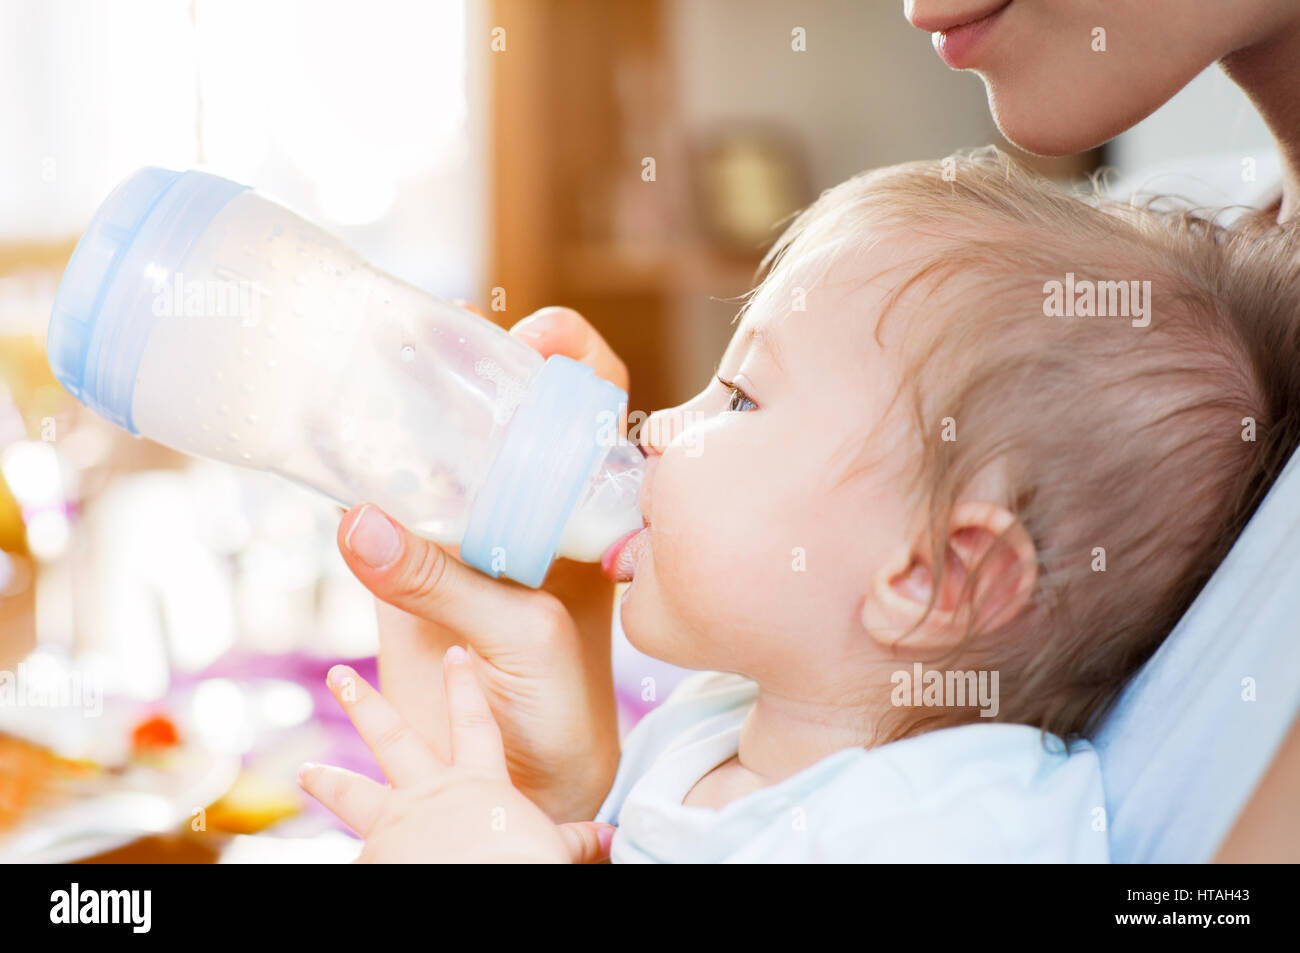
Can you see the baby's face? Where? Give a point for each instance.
(774, 496)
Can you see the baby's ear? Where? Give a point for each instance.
(985, 541)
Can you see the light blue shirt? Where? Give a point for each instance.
(987, 792)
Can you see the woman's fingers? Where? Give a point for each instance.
(557, 330)
(357, 801)
(421, 578)
(405, 759)
(469, 306)
(564, 331)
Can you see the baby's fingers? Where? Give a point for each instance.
(475, 736)
(358, 801)
(404, 758)
(587, 842)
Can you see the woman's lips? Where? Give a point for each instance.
(619, 561)
(957, 45)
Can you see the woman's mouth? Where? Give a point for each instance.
(619, 561)
(957, 43)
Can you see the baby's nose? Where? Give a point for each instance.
(658, 430)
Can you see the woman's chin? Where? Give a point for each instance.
(1056, 118)
(1041, 135)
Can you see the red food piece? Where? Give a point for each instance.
(156, 731)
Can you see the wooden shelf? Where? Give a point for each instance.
(612, 270)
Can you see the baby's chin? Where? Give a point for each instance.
(634, 612)
(657, 626)
(643, 613)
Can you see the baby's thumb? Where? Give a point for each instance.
(588, 841)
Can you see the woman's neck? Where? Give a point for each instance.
(1268, 71)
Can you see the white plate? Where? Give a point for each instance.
(145, 799)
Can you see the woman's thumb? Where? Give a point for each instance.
(420, 577)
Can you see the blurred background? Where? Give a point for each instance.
(632, 160)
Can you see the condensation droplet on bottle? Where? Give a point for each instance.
(270, 362)
(251, 418)
(510, 390)
(223, 409)
(408, 353)
(246, 455)
(232, 437)
(246, 388)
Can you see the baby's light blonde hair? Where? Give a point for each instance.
(1146, 446)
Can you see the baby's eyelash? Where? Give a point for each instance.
(736, 393)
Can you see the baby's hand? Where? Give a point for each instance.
(465, 811)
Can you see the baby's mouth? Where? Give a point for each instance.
(620, 560)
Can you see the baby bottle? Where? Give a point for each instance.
(199, 314)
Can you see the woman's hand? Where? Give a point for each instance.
(454, 808)
(543, 656)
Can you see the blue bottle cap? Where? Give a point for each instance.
(101, 319)
(557, 436)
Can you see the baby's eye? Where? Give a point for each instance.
(738, 401)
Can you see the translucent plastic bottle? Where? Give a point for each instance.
(199, 314)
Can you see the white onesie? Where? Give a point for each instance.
(985, 792)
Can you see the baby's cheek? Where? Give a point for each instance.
(717, 566)
(689, 554)
(702, 526)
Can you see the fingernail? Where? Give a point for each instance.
(373, 538)
(606, 837)
(304, 769)
(455, 656)
(338, 676)
(536, 324)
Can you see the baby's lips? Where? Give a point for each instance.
(619, 561)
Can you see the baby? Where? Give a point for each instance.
(974, 448)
